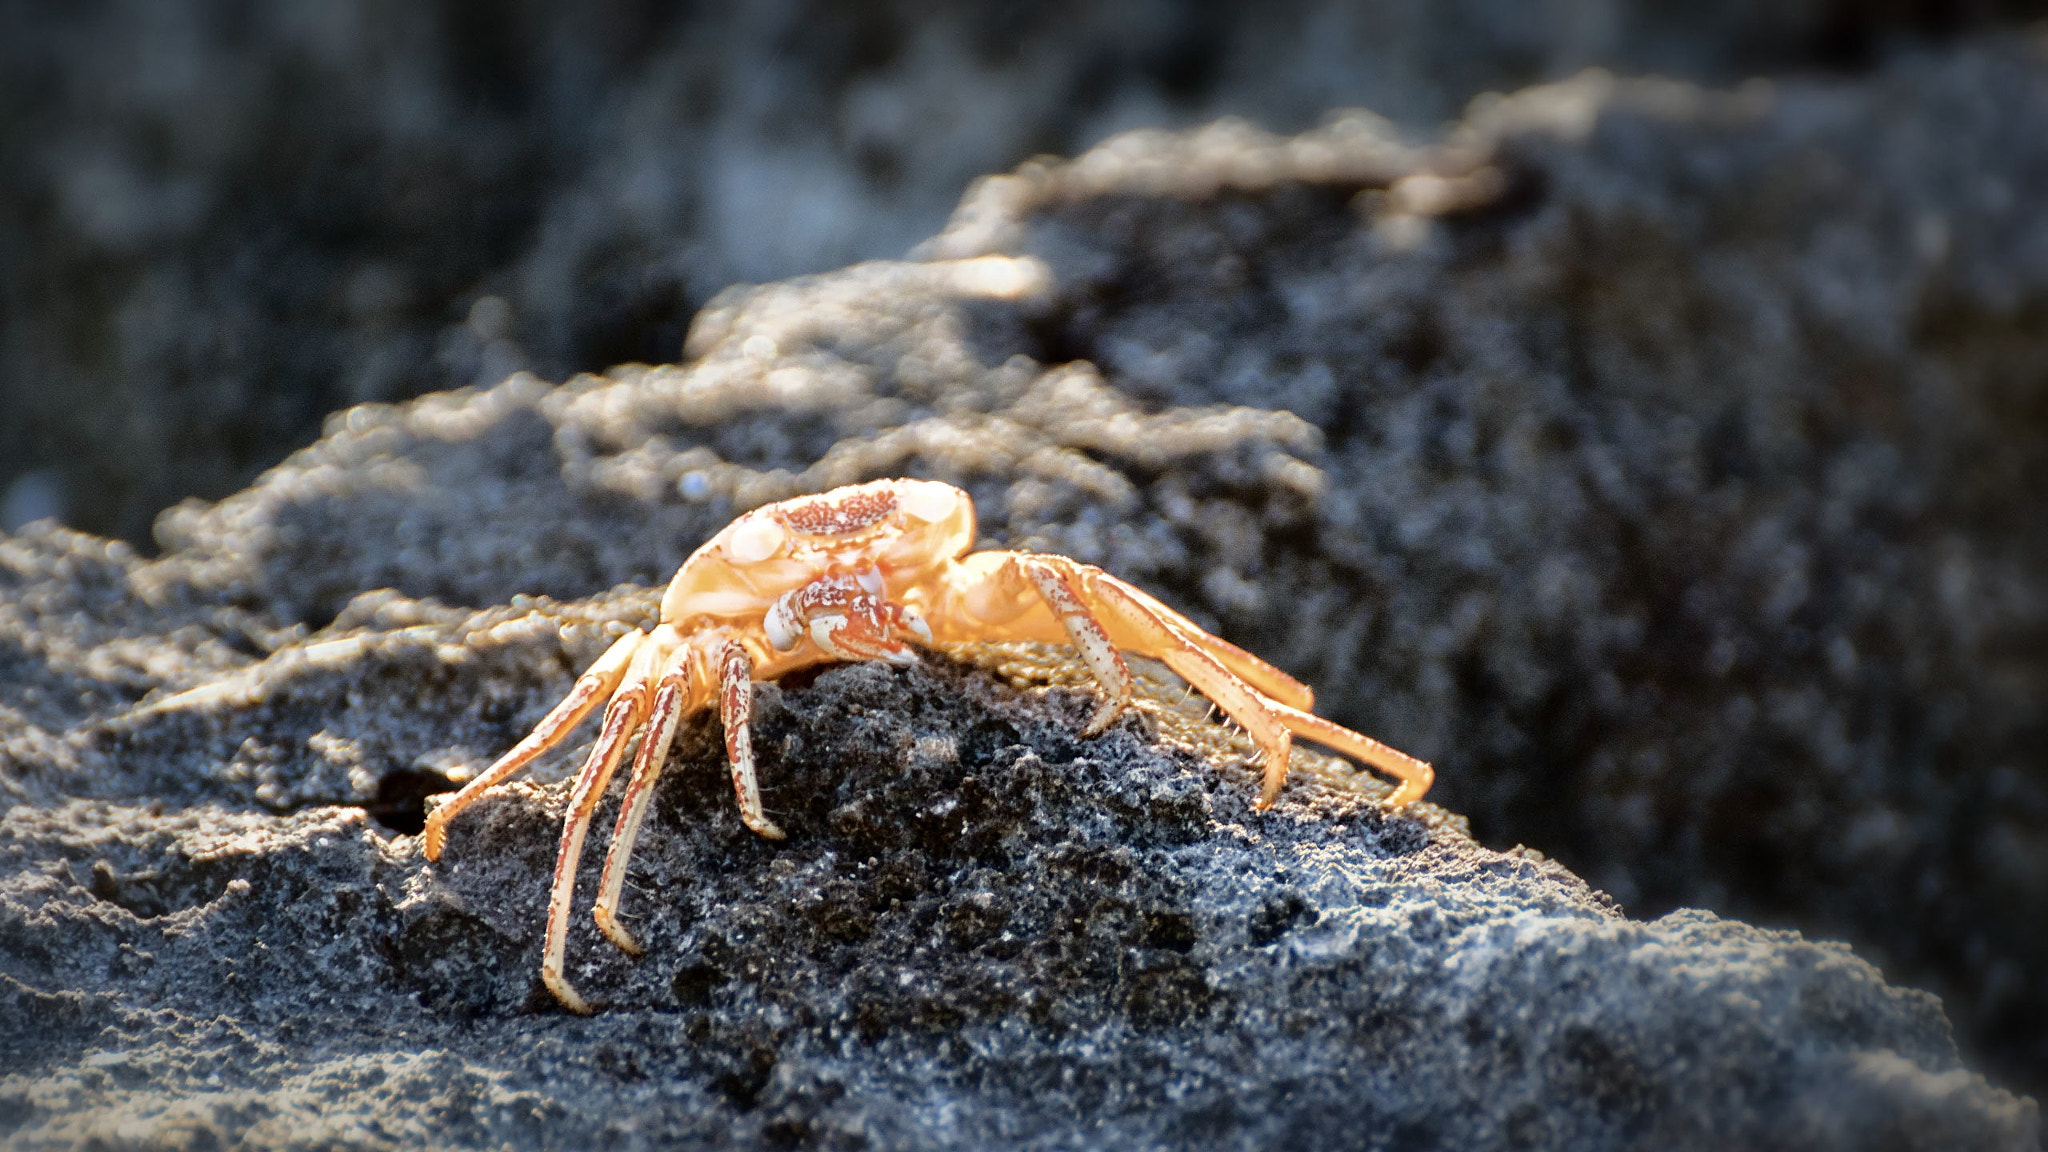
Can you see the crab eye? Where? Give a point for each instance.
(928, 502)
(756, 540)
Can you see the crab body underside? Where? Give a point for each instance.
(862, 573)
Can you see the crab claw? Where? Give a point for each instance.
(848, 618)
(860, 635)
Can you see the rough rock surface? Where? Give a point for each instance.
(982, 931)
(1680, 499)
(1674, 500)
(1681, 524)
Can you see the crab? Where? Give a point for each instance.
(867, 572)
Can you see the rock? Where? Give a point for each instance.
(221, 222)
(982, 929)
(1683, 525)
(1651, 458)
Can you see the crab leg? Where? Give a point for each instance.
(1415, 775)
(622, 717)
(673, 699)
(735, 708)
(1195, 654)
(1090, 639)
(993, 592)
(1269, 681)
(594, 685)
(1101, 614)
(1135, 626)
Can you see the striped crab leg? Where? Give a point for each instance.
(1101, 614)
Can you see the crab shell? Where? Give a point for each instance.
(905, 529)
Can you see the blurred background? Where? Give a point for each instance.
(222, 220)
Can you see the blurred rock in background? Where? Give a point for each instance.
(220, 221)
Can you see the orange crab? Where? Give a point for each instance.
(856, 574)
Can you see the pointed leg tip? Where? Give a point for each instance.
(767, 829)
(617, 934)
(1412, 789)
(1275, 777)
(1269, 791)
(1103, 718)
(565, 994)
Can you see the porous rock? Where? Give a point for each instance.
(1655, 581)
(982, 930)
(1656, 460)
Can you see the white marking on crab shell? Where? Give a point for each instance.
(870, 581)
(781, 624)
(755, 540)
(928, 501)
(901, 656)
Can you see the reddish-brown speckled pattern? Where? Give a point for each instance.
(837, 514)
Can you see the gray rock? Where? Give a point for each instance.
(982, 930)
(1681, 525)
(1673, 500)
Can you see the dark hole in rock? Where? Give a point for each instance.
(743, 1082)
(401, 800)
(1278, 916)
(694, 984)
